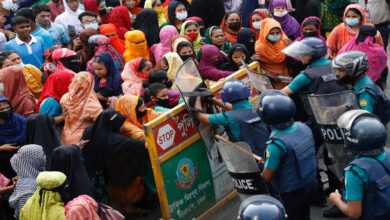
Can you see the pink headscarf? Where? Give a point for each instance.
(132, 80)
(61, 53)
(166, 35)
(80, 208)
(319, 29)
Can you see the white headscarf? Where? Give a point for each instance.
(69, 17)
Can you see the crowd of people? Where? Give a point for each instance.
(80, 78)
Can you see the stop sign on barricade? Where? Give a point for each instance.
(166, 136)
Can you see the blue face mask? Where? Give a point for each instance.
(94, 26)
(352, 22)
(273, 38)
(256, 25)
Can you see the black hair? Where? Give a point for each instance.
(2, 60)
(140, 102)
(142, 64)
(152, 90)
(238, 48)
(7, 53)
(156, 76)
(183, 44)
(190, 23)
(19, 20)
(98, 59)
(227, 15)
(311, 21)
(27, 13)
(40, 8)
(214, 29)
(87, 13)
(357, 12)
(98, 2)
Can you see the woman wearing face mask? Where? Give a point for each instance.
(269, 46)
(191, 30)
(147, 22)
(157, 6)
(255, 21)
(354, 17)
(210, 59)
(122, 21)
(247, 37)
(157, 98)
(166, 35)
(215, 35)
(110, 31)
(135, 73)
(136, 46)
(289, 25)
(171, 63)
(182, 45)
(231, 24)
(177, 13)
(66, 60)
(97, 6)
(311, 27)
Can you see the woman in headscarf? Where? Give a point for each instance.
(132, 7)
(247, 37)
(331, 14)
(110, 31)
(97, 7)
(70, 16)
(269, 46)
(121, 19)
(55, 87)
(236, 51)
(147, 22)
(82, 207)
(343, 33)
(66, 60)
(13, 132)
(231, 24)
(135, 73)
(365, 42)
(182, 45)
(99, 44)
(289, 25)
(157, 6)
(311, 27)
(16, 90)
(67, 159)
(171, 63)
(48, 67)
(136, 46)
(85, 52)
(33, 78)
(177, 13)
(215, 35)
(210, 59)
(27, 163)
(80, 106)
(166, 35)
(48, 200)
(157, 98)
(121, 159)
(191, 30)
(255, 21)
(108, 79)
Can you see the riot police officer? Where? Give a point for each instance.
(291, 163)
(350, 68)
(261, 207)
(239, 120)
(367, 178)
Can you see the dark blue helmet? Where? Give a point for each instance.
(313, 46)
(318, 45)
(261, 207)
(234, 90)
(363, 132)
(276, 109)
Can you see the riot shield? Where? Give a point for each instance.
(260, 81)
(326, 110)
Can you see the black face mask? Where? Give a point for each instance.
(202, 31)
(71, 63)
(140, 114)
(185, 57)
(235, 26)
(102, 12)
(168, 83)
(6, 114)
(163, 102)
(344, 80)
(310, 34)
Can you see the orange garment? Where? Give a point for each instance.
(133, 127)
(132, 79)
(343, 33)
(81, 107)
(231, 36)
(115, 41)
(33, 78)
(271, 58)
(133, 50)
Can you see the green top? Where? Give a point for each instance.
(207, 40)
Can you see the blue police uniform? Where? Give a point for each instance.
(368, 181)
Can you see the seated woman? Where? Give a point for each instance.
(12, 135)
(255, 21)
(231, 24)
(166, 35)
(160, 76)
(343, 33)
(289, 25)
(171, 63)
(16, 90)
(157, 98)
(135, 73)
(247, 37)
(28, 162)
(234, 64)
(311, 27)
(215, 35)
(80, 106)
(269, 46)
(136, 46)
(191, 30)
(210, 59)
(82, 207)
(122, 160)
(110, 31)
(108, 79)
(49, 199)
(182, 45)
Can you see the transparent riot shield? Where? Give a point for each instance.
(243, 168)
(260, 81)
(326, 110)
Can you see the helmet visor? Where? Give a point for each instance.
(297, 49)
(346, 120)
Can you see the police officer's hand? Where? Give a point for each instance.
(334, 197)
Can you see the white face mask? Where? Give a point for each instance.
(256, 25)
(7, 4)
(280, 14)
(2, 87)
(21, 65)
(181, 16)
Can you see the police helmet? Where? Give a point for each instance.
(363, 132)
(261, 207)
(234, 90)
(313, 46)
(276, 109)
(354, 63)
